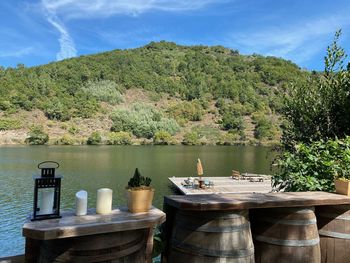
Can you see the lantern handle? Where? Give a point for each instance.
(40, 164)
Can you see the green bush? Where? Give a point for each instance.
(67, 140)
(85, 106)
(94, 139)
(313, 167)
(320, 109)
(163, 138)
(56, 110)
(119, 138)
(9, 124)
(231, 122)
(73, 130)
(191, 138)
(104, 90)
(37, 136)
(5, 105)
(264, 128)
(143, 121)
(189, 111)
(228, 139)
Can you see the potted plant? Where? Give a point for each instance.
(139, 193)
(342, 185)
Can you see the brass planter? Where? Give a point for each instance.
(139, 200)
(342, 187)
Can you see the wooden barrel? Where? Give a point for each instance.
(210, 237)
(285, 235)
(117, 247)
(334, 229)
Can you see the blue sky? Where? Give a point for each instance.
(42, 31)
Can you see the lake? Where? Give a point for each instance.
(94, 167)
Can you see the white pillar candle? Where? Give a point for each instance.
(104, 201)
(46, 197)
(81, 203)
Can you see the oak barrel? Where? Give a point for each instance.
(213, 236)
(115, 247)
(285, 235)
(334, 229)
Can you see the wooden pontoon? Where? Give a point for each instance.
(246, 183)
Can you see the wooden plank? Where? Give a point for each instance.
(32, 250)
(119, 247)
(72, 226)
(13, 259)
(254, 200)
(224, 185)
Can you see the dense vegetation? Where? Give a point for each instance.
(315, 135)
(313, 166)
(194, 79)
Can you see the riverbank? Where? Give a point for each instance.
(138, 120)
(18, 137)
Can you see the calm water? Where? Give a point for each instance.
(93, 167)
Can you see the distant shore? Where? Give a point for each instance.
(18, 137)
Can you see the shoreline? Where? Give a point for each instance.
(273, 144)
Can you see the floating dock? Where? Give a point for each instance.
(226, 185)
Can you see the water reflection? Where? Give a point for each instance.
(91, 168)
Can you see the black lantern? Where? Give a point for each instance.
(47, 192)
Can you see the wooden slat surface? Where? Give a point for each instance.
(91, 224)
(254, 200)
(224, 185)
(13, 259)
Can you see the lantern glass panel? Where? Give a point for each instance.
(46, 197)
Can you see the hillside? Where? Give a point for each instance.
(162, 92)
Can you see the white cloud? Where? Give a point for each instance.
(104, 8)
(67, 46)
(85, 9)
(298, 42)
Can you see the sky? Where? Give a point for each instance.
(35, 32)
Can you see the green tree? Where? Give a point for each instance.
(142, 120)
(67, 140)
(320, 109)
(231, 122)
(313, 166)
(94, 139)
(37, 136)
(119, 138)
(191, 138)
(56, 110)
(264, 127)
(317, 148)
(163, 138)
(105, 90)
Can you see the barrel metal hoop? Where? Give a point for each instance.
(297, 210)
(289, 243)
(334, 234)
(213, 229)
(191, 249)
(335, 216)
(288, 222)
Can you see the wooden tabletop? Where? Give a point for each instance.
(223, 185)
(72, 226)
(254, 200)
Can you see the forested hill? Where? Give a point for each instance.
(162, 92)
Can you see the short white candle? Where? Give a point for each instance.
(104, 201)
(81, 203)
(46, 197)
